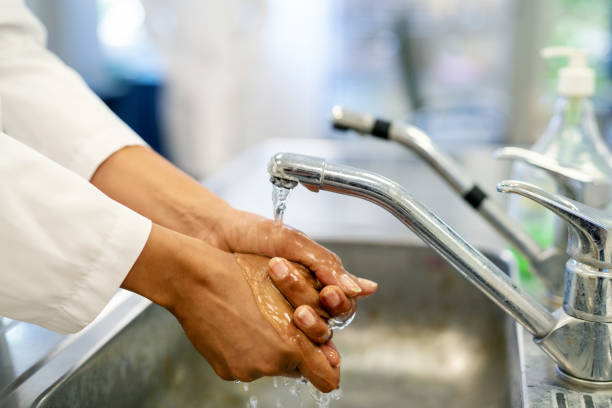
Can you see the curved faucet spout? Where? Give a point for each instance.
(316, 174)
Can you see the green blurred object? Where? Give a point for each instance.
(583, 24)
(544, 237)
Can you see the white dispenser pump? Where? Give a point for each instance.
(577, 79)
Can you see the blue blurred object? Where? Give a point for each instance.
(137, 104)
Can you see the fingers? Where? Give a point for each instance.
(317, 369)
(296, 283)
(300, 288)
(367, 286)
(331, 352)
(309, 322)
(327, 266)
(336, 302)
(250, 233)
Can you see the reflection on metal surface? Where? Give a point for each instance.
(411, 351)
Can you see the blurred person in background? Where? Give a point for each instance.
(87, 207)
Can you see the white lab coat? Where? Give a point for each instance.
(65, 247)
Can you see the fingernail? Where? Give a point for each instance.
(349, 284)
(367, 284)
(278, 269)
(332, 298)
(307, 318)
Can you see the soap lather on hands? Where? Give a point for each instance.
(317, 363)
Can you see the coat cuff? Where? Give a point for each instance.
(97, 149)
(97, 285)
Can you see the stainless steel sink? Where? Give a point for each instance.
(426, 339)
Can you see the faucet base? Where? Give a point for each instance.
(541, 387)
(588, 384)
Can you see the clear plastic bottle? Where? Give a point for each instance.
(572, 138)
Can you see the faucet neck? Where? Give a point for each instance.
(588, 292)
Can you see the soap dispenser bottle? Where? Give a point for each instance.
(572, 140)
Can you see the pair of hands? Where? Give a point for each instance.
(195, 265)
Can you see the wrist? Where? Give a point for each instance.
(163, 193)
(166, 260)
(205, 221)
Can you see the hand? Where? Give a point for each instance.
(213, 295)
(172, 199)
(240, 231)
(313, 308)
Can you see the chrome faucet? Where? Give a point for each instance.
(547, 263)
(590, 189)
(578, 336)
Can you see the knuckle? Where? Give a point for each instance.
(269, 368)
(288, 359)
(323, 334)
(246, 375)
(223, 373)
(335, 258)
(293, 282)
(329, 385)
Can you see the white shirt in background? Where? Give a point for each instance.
(65, 247)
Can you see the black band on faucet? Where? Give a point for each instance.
(338, 126)
(381, 128)
(475, 197)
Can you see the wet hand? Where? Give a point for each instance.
(230, 310)
(314, 304)
(279, 313)
(240, 231)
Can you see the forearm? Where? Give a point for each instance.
(141, 179)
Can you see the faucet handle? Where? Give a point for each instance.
(591, 190)
(588, 227)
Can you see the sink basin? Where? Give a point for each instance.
(426, 339)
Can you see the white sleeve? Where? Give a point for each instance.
(66, 247)
(46, 105)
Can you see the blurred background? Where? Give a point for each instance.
(201, 81)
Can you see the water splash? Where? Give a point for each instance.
(245, 386)
(340, 322)
(279, 203)
(322, 399)
(298, 390)
(252, 402)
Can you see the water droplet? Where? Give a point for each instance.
(253, 402)
(275, 382)
(245, 387)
